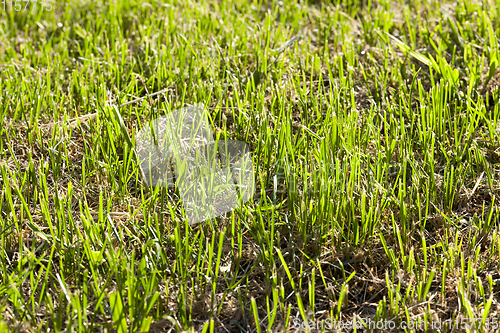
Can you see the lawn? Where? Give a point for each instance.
(373, 130)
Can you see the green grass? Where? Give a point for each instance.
(375, 137)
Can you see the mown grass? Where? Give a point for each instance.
(375, 139)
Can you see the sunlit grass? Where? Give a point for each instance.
(374, 131)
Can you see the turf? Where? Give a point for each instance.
(374, 131)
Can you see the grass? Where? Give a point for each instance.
(374, 130)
